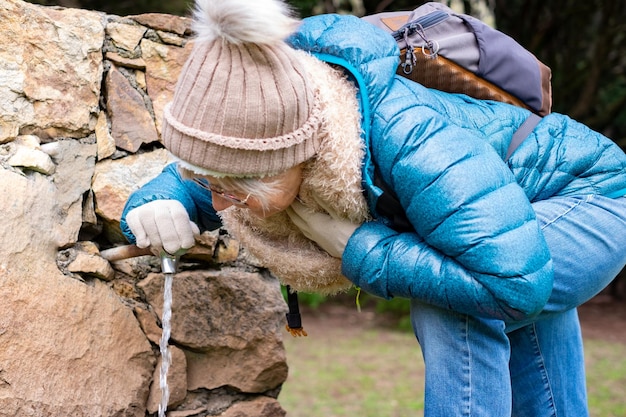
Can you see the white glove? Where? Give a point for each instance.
(162, 225)
(329, 232)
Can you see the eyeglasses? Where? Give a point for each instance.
(226, 196)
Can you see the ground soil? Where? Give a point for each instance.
(602, 318)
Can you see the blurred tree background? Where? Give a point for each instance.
(584, 42)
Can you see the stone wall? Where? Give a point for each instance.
(81, 96)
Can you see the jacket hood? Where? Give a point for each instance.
(368, 53)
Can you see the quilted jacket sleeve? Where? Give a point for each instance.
(478, 248)
(169, 185)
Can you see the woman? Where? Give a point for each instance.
(282, 140)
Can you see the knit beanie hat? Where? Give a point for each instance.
(244, 104)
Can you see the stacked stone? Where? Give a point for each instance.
(81, 97)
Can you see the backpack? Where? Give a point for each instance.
(458, 53)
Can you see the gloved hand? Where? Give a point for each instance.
(162, 225)
(328, 231)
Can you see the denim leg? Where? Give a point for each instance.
(547, 368)
(467, 363)
(587, 240)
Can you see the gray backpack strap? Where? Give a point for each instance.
(522, 133)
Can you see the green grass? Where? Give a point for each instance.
(379, 373)
(606, 378)
(369, 374)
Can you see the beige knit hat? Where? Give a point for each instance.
(243, 105)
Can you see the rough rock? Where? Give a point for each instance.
(90, 264)
(207, 313)
(131, 122)
(209, 306)
(75, 162)
(54, 60)
(176, 381)
(261, 367)
(106, 143)
(79, 325)
(259, 407)
(52, 206)
(124, 35)
(93, 360)
(148, 322)
(164, 22)
(163, 66)
(97, 360)
(136, 63)
(25, 152)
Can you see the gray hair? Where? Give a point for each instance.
(262, 189)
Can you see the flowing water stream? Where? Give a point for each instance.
(168, 267)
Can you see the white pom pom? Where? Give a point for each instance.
(243, 21)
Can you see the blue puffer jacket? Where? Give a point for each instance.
(477, 247)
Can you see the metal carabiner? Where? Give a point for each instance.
(409, 58)
(433, 49)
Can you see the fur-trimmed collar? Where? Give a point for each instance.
(334, 176)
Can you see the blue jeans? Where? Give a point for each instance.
(484, 367)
